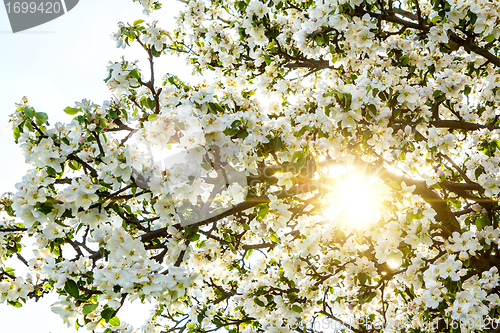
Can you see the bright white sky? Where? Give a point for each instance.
(54, 65)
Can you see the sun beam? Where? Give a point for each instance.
(356, 201)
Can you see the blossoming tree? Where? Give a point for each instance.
(315, 105)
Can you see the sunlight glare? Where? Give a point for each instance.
(356, 201)
(394, 263)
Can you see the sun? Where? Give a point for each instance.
(356, 201)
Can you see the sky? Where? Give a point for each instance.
(54, 65)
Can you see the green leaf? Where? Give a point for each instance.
(327, 110)
(29, 112)
(45, 207)
(277, 143)
(370, 296)
(216, 321)
(71, 111)
(136, 23)
(372, 108)
(28, 125)
(231, 131)
(455, 202)
(297, 308)
(194, 237)
(394, 184)
(258, 301)
(155, 53)
(262, 213)
(473, 17)
(362, 277)
(74, 165)
(17, 133)
(267, 59)
(319, 40)
(479, 171)
(113, 113)
(302, 131)
(227, 237)
(467, 90)
(15, 304)
(51, 172)
(301, 162)
(215, 108)
(242, 134)
(114, 321)
(490, 38)
(275, 238)
(439, 96)
(109, 76)
(71, 288)
(347, 101)
(41, 118)
(297, 155)
(437, 93)
(404, 60)
(396, 113)
(107, 313)
(88, 308)
(103, 252)
(482, 222)
(135, 74)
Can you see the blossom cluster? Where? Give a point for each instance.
(238, 226)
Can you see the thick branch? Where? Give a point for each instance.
(457, 124)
